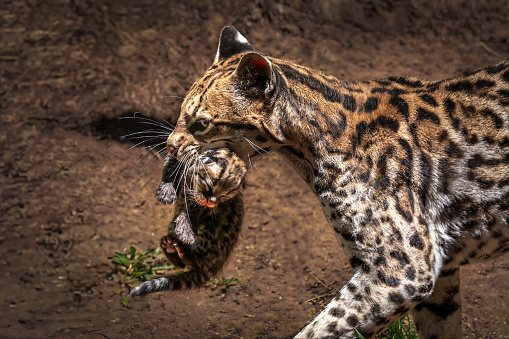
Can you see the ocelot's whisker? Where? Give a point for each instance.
(256, 147)
(180, 168)
(157, 123)
(175, 97)
(186, 169)
(161, 153)
(175, 81)
(194, 178)
(251, 163)
(155, 155)
(130, 148)
(149, 150)
(149, 137)
(156, 131)
(153, 122)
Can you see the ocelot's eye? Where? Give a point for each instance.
(199, 126)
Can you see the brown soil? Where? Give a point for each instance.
(71, 193)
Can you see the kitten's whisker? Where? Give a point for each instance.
(205, 169)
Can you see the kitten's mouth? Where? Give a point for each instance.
(210, 203)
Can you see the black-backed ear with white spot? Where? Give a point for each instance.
(254, 73)
(231, 42)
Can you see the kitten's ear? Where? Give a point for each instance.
(254, 73)
(231, 42)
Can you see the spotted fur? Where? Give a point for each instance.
(412, 175)
(207, 226)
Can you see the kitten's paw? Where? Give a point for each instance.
(169, 246)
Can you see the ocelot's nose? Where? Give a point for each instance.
(172, 151)
(171, 147)
(178, 143)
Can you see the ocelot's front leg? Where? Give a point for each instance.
(354, 309)
(394, 272)
(439, 315)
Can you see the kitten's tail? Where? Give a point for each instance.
(174, 282)
(154, 285)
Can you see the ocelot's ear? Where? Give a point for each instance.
(254, 74)
(231, 42)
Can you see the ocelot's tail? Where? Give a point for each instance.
(174, 282)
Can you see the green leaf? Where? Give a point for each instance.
(132, 251)
(358, 334)
(126, 301)
(4, 105)
(150, 250)
(121, 259)
(136, 274)
(148, 276)
(116, 261)
(163, 268)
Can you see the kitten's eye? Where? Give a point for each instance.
(206, 160)
(224, 198)
(199, 126)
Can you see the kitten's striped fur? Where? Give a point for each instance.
(202, 236)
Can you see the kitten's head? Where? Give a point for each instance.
(231, 105)
(216, 176)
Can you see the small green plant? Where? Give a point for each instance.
(401, 329)
(4, 105)
(138, 266)
(222, 283)
(323, 70)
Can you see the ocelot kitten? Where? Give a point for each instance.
(207, 225)
(413, 175)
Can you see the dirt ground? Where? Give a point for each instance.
(73, 192)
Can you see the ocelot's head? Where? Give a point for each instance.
(231, 105)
